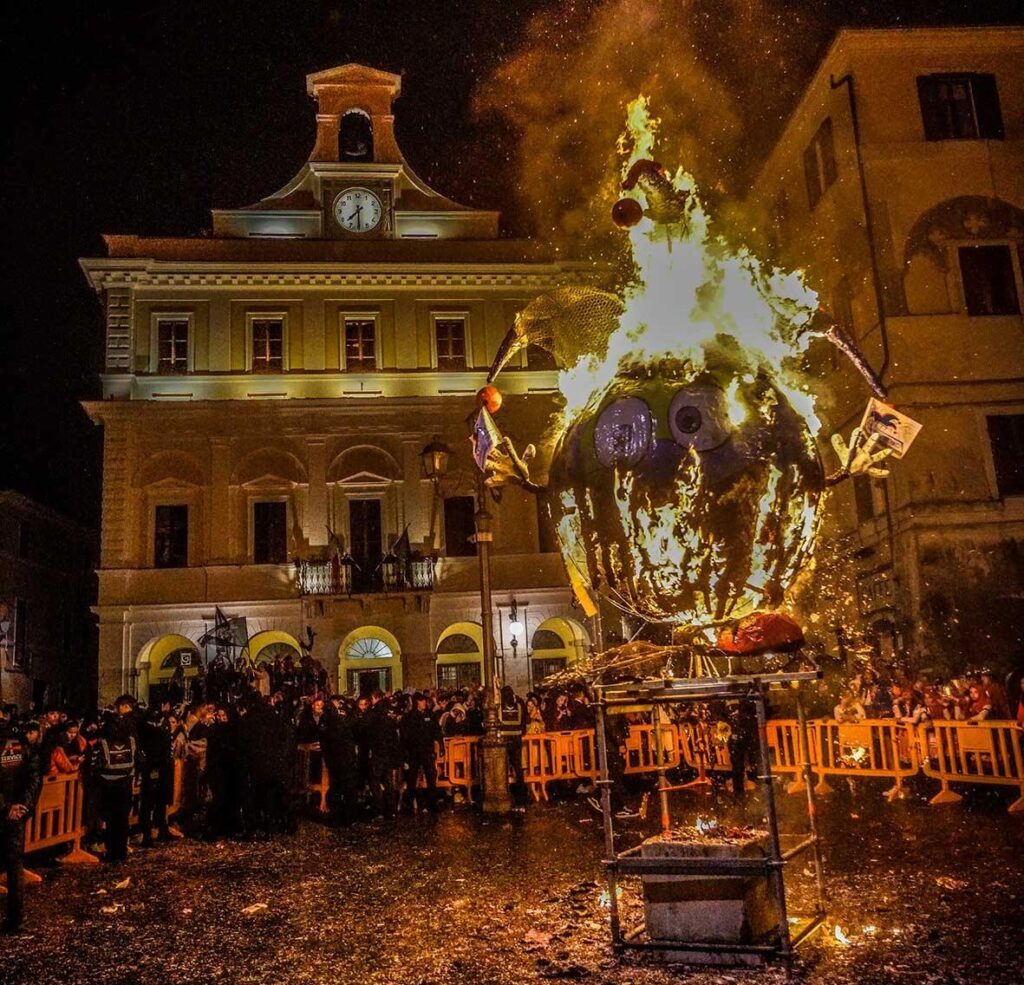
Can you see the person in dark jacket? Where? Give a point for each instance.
(512, 719)
(421, 742)
(20, 781)
(338, 745)
(267, 744)
(117, 760)
(157, 786)
(384, 743)
(222, 775)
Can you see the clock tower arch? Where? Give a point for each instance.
(356, 185)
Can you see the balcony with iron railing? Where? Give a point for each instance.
(327, 576)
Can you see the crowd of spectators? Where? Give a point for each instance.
(978, 696)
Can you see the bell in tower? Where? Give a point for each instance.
(355, 136)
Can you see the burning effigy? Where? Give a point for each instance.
(685, 482)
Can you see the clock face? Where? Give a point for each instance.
(358, 210)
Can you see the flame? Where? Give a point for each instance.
(691, 287)
(694, 296)
(841, 937)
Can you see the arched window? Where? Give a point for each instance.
(458, 643)
(369, 649)
(545, 639)
(355, 137)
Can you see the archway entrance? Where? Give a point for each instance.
(167, 663)
(369, 659)
(557, 644)
(460, 658)
(265, 647)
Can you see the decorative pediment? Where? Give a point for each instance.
(364, 479)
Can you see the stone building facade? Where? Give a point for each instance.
(898, 182)
(268, 393)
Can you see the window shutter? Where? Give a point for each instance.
(986, 105)
(931, 109)
(811, 175)
(828, 152)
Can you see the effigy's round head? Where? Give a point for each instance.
(687, 492)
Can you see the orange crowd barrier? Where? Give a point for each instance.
(313, 773)
(641, 748)
(967, 752)
(461, 764)
(872, 748)
(786, 753)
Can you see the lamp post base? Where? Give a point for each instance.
(494, 774)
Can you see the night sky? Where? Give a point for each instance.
(139, 117)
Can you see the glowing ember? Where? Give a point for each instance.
(704, 827)
(841, 937)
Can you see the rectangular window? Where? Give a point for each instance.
(170, 537)
(454, 677)
(268, 345)
(12, 633)
(820, 163)
(988, 278)
(459, 526)
(960, 107)
(450, 334)
(172, 346)
(360, 345)
(1006, 436)
(269, 533)
(864, 498)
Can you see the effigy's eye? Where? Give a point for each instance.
(622, 434)
(698, 419)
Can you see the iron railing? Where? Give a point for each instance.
(322, 576)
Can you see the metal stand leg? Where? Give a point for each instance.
(604, 783)
(812, 809)
(659, 754)
(785, 947)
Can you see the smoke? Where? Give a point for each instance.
(720, 75)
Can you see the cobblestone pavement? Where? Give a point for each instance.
(923, 894)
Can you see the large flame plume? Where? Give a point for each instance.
(691, 287)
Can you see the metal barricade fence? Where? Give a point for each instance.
(785, 752)
(640, 748)
(871, 748)
(967, 752)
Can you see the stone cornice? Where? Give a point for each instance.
(104, 274)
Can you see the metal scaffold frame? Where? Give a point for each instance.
(653, 696)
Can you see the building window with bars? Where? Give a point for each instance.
(820, 170)
(267, 345)
(960, 107)
(270, 533)
(172, 346)
(450, 336)
(360, 345)
(990, 283)
(170, 537)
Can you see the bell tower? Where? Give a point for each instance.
(354, 122)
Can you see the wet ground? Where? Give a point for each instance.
(923, 895)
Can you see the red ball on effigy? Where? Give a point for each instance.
(626, 212)
(489, 397)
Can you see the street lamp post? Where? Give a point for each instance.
(493, 752)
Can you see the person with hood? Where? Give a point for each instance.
(117, 759)
(20, 782)
(421, 743)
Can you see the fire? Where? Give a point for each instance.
(687, 475)
(688, 276)
(841, 937)
(705, 827)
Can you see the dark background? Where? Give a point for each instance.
(138, 117)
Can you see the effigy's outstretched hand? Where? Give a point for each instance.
(504, 466)
(860, 457)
